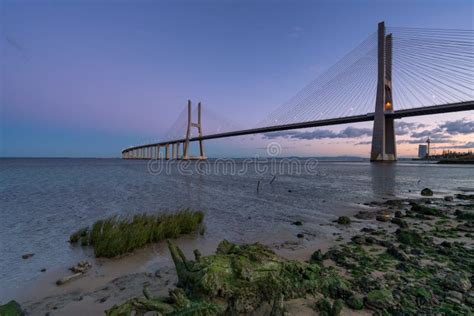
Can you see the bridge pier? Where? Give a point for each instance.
(198, 125)
(383, 134)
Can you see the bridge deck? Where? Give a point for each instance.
(436, 109)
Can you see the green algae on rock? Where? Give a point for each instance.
(11, 308)
(343, 220)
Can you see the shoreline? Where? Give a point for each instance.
(113, 281)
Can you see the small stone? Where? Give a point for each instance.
(398, 214)
(426, 192)
(27, 255)
(400, 222)
(380, 299)
(454, 294)
(316, 257)
(343, 220)
(448, 198)
(355, 302)
(398, 253)
(300, 235)
(365, 215)
(289, 191)
(457, 282)
(103, 299)
(297, 223)
(43, 270)
(467, 227)
(383, 217)
(409, 237)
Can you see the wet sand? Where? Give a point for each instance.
(113, 281)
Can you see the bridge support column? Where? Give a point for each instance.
(167, 151)
(383, 134)
(198, 125)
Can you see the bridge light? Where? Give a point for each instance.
(388, 106)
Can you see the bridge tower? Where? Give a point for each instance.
(384, 147)
(198, 125)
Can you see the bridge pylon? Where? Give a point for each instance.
(197, 125)
(384, 146)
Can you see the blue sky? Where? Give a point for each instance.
(88, 78)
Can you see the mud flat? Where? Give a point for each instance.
(394, 257)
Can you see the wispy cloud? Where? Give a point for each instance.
(462, 126)
(349, 132)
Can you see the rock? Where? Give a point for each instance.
(27, 255)
(464, 215)
(326, 309)
(457, 281)
(43, 270)
(454, 294)
(246, 276)
(448, 198)
(467, 227)
(355, 302)
(426, 192)
(363, 240)
(409, 237)
(297, 223)
(300, 235)
(365, 215)
(316, 257)
(398, 253)
(11, 308)
(380, 299)
(69, 278)
(398, 214)
(383, 217)
(400, 222)
(81, 267)
(343, 220)
(289, 191)
(425, 210)
(465, 196)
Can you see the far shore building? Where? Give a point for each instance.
(422, 151)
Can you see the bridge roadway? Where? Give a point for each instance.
(427, 110)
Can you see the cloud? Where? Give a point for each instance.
(404, 128)
(464, 146)
(348, 132)
(462, 126)
(423, 140)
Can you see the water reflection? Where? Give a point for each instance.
(383, 178)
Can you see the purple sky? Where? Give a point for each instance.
(89, 78)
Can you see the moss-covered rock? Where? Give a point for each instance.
(425, 210)
(11, 308)
(343, 220)
(380, 299)
(427, 192)
(325, 308)
(355, 302)
(409, 237)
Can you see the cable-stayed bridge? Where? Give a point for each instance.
(394, 73)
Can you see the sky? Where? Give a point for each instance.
(90, 78)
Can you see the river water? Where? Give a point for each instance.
(42, 201)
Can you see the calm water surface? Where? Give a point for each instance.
(43, 200)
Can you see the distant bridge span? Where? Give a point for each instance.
(429, 64)
(429, 110)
